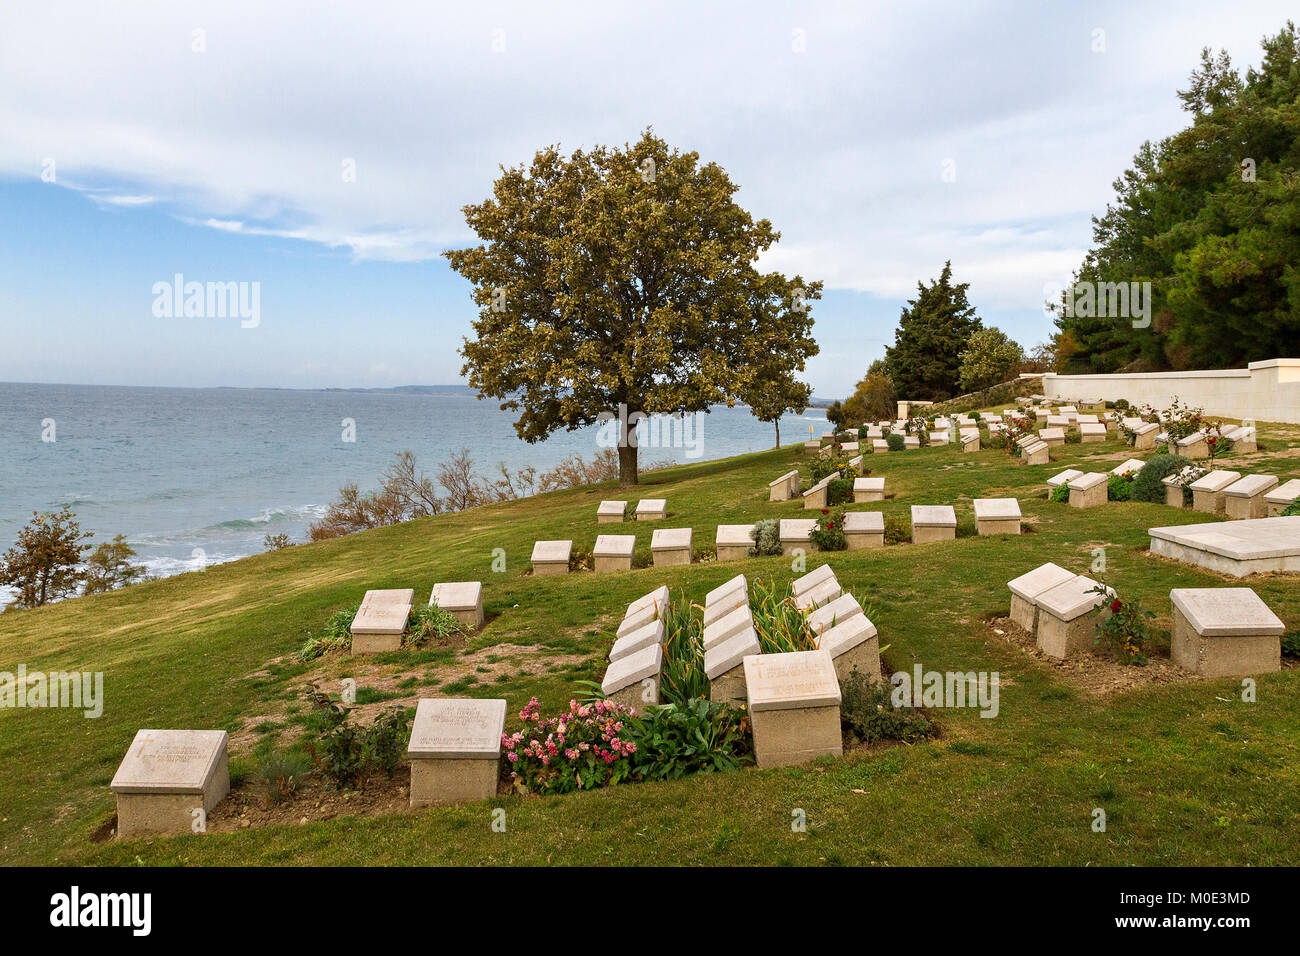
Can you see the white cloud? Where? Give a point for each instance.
(842, 146)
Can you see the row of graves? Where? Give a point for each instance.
(793, 698)
(1217, 632)
(169, 779)
(381, 622)
(647, 509)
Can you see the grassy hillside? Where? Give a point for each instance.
(1187, 773)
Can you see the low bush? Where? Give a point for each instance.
(335, 636)
(897, 530)
(278, 773)
(349, 755)
(1291, 644)
(895, 442)
(1148, 484)
(1060, 494)
(767, 537)
(432, 624)
(839, 491)
(1119, 488)
(672, 741)
(867, 712)
(1292, 509)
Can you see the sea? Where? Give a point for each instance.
(198, 476)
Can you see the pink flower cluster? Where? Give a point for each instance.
(551, 751)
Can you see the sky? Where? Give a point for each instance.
(324, 153)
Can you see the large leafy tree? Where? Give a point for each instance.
(1211, 218)
(623, 279)
(925, 359)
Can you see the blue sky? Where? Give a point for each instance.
(218, 154)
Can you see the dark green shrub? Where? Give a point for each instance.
(767, 537)
(1119, 488)
(1291, 644)
(862, 434)
(839, 491)
(1292, 509)
(1060, 494)
(1149, 483)
(349, 754)
(1073, 438)
(895, 442)
(695, 736)
(869, 715)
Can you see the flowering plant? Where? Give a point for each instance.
(1123, 625)
(578, 750)
(828, 533)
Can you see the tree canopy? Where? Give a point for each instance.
(924, 361)
(1211, 218)
(989, 358)
(624, 279)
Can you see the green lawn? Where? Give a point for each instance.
(1187, 772)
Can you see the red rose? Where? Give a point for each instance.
(826, 511)
(1114, 605)
(830, 525)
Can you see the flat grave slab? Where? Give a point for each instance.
(613, 552)
(1236, 548)
(1244, 498)
(933, 523)
(381, 620)
(633, 681)
(724, 665)
(1280, 498)
(463, 599)
(868, 489)
(551, 557)
(997, 516)
(454, 749)
(733, 541)
(671, 546)
(1225, 632)
(610, 511)
(165, 776)
(864, 529)
(794, 706)
(1026, 588)
(647, 635)
(1066, 626)
(651, 509)
(853, 645)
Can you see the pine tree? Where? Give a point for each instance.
(925, 360)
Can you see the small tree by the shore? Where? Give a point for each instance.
(44, 563)
(621, 282)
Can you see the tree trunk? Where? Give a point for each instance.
(778, 433)
(627, 475)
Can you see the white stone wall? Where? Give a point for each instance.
(1265, 391)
